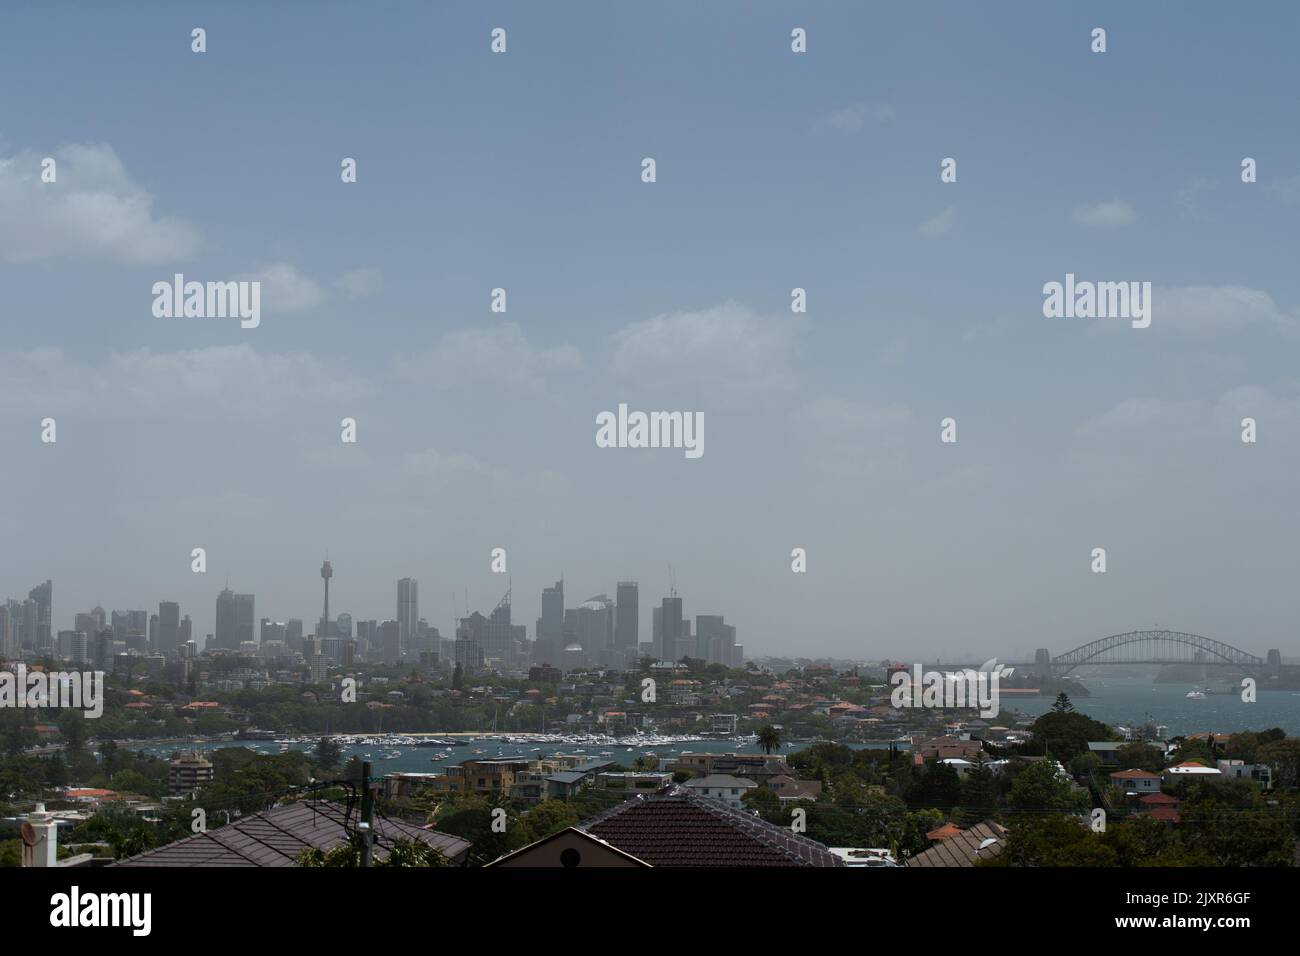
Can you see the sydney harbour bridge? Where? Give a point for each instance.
(1159, 647)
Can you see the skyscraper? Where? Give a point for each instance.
(550, 626)
(225, 633)
(670, 626)
(408, 611)
(42, 597)
(244, 620)
(627, 619)
(169, 626)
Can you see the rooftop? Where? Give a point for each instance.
(685, 830)
(275, 837)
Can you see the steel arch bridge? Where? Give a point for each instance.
(1155, 647)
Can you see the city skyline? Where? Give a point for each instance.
(777, 171)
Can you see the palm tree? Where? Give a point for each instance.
(769, 738)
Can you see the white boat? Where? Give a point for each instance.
(1195, 694)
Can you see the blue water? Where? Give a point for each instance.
(422, 759)
(1128, 701)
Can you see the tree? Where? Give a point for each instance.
(1063, 705)
(1040, 786)
(1065, 734)
(1139, 755)
(328, 752)
(765, 801)
(769, 738)
(458, 677)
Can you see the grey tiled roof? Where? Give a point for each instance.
(275, 838)
(686, 830)
(964, 848)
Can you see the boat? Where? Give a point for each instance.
(1195, 694)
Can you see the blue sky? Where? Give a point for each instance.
(775, 170)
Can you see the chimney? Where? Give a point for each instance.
(40, 838)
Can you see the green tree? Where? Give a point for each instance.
(1040, 786)
(769, 738)
(1063, 705)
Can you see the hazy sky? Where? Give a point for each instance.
(775, 170)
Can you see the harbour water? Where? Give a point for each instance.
(1128, 701)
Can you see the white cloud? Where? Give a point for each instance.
(285, 289)
(360, 283)
(232, 381)
(851, 119)
(499, 354)
(92, 211)
(1218, 310)
(726, 346)
(1109, 214)
(941, 224)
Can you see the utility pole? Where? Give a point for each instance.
(367, 814)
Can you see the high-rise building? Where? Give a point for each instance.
(408, 611)
(169, 626)
(595, 628)
(235, 621)
(670, 628)
(495, 637)
(225, 633)
(715, 640)
(293, 633)
(42, 598)
(245, 631)
(392, 642)
(627, 619)
(343, 627)
(137, 624)
(11, 627)
(550, 626)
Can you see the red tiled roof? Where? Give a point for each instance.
(1135, 775)
(684, 830)
(945, 832)
(1159, 798)
(1168, 814)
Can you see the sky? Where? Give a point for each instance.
(775, 170)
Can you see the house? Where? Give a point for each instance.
(945, 832)
(1191, 770)
(1106, 750)
(1161, 806)
(866, 856)
(633, 782)
(1258, 773)
(277, 836)
(721, 787)
(790, 790)
(1136, 781)
(981, 842)
(672, 830)
(943, 747)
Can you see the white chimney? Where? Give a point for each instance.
(40, 838)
